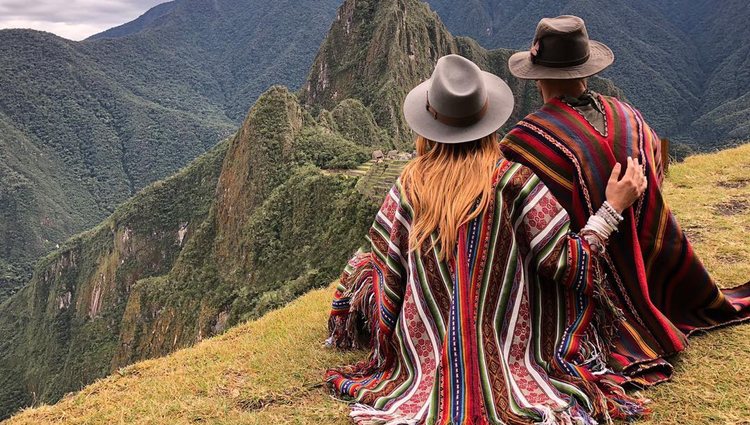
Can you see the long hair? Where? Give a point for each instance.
(448, 185)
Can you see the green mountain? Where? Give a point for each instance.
(245, 228)
(85, 125)
(152, 17)
(377, 51)
(721, 36)
(682, 62)
(227, 238)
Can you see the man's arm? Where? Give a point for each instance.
(659, 150)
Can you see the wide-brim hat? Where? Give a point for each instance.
(459, 103)
(561, 50)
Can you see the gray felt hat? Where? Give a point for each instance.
(459, 103)
(561, 50)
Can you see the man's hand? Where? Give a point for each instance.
(623, 192)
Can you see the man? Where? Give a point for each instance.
(657, 291)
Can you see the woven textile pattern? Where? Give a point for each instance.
(503, 333)
(656, 277)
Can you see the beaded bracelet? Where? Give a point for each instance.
(612, 211)
(604, 222)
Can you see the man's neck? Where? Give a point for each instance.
(551, 91)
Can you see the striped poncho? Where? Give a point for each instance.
(504, 333)
(653, 274)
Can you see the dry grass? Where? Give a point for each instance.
(268, 371)
(710, 195)
(262, 372)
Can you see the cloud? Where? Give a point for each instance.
(72, 19)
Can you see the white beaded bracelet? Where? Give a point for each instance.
(613, 211)
(604, 222)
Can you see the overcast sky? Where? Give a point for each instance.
(72, 19)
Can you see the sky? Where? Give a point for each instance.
(71, 19)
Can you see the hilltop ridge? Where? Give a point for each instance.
(107, 116)
(269, 370)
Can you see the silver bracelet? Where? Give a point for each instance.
(613, 211)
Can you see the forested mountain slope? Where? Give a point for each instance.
(89, 123)
(684, 63)
(225, 239)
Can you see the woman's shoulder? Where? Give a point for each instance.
(513, 173)
(514, 180)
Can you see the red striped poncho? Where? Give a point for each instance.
(653, 273)
(505, 333)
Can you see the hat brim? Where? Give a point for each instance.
(499, 108)
(600, 57)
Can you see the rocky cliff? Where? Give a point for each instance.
(243, 229)
(376, 51)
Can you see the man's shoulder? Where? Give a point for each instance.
(524, 143)
(624, 105)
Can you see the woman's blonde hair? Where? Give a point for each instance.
(448, 185)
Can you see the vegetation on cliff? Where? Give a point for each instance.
(245, 228)
(85, 125)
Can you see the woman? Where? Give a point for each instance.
(478, 303)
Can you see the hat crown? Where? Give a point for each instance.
(459, 103)
(561, 42)
(457, 89)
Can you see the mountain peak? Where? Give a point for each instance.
(375, 51)
(147, 20)
(260, 153)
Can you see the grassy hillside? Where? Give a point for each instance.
(269, 370)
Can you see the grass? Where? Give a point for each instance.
(269, 371)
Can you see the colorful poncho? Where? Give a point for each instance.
(504, 333)
(654, 276)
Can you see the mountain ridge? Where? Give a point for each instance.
(138, 24)
(668, 56)
(112, 114)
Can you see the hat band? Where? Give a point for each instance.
(456, 121)
(535, 59)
